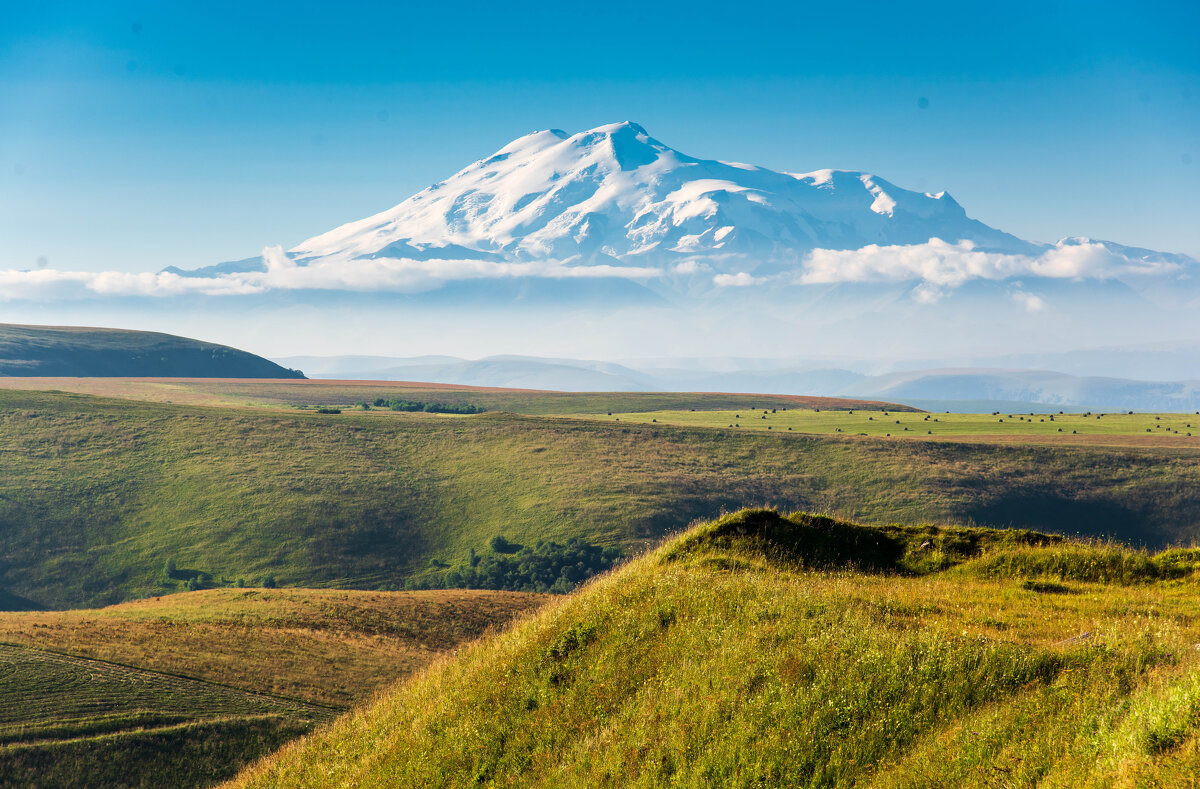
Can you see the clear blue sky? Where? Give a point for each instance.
(138, 135)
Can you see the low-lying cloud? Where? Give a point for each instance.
(283, 273)
(940, 264)
(937, 267)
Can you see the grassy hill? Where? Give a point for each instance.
(98, 495)
(195, 685)
(759, 650)
(82, 351)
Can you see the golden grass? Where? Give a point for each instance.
(726, 667)
(326, 646)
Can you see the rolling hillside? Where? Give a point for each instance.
(195, 685)
(767, 651)
(99, 495)
(82, 351)
(70, 721)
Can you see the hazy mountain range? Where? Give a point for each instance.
(956, 389)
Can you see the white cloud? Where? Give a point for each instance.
(927, 293)
(282, 273)
(937, 267)
(690, 267)
(1030, 301)
(738, 280)
(941, 264)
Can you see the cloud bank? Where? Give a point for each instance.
(936, 267)
(939, 265)
(283, 273)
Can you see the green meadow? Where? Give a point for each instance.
(105, 500)
(1161, 429)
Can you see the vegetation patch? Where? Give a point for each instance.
(1097, 563)
(401, 404)
(809, 541)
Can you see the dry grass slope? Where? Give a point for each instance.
(324, 646)
(196, 684)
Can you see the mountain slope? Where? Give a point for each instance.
(768, 651)
(76, 351)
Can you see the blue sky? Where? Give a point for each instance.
(139, 135)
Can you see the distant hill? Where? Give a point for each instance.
(77, 351)
(961, 389)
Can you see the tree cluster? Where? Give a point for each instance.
(397, 404)
(510, 566)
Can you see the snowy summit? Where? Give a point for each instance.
(616, 200)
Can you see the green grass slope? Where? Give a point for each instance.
(767, 651)
(80, 351)
(69, 721)
(99, 494)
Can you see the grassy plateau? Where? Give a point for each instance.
(762, 650)
(102, 497)
(1123, 429)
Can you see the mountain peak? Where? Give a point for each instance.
(617, 194)
(624, 127)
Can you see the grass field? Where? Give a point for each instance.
(301, 393)
(1124, 429)
(196, 684)
(99, 494)
(761, 651)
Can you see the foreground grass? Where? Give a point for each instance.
(98, 495)
(747, 653)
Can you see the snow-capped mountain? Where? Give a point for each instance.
(614, 201)
(615, 192)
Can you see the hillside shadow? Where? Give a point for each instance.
(1054, 512)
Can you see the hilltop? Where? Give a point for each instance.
(85, 351)
(762, 650)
